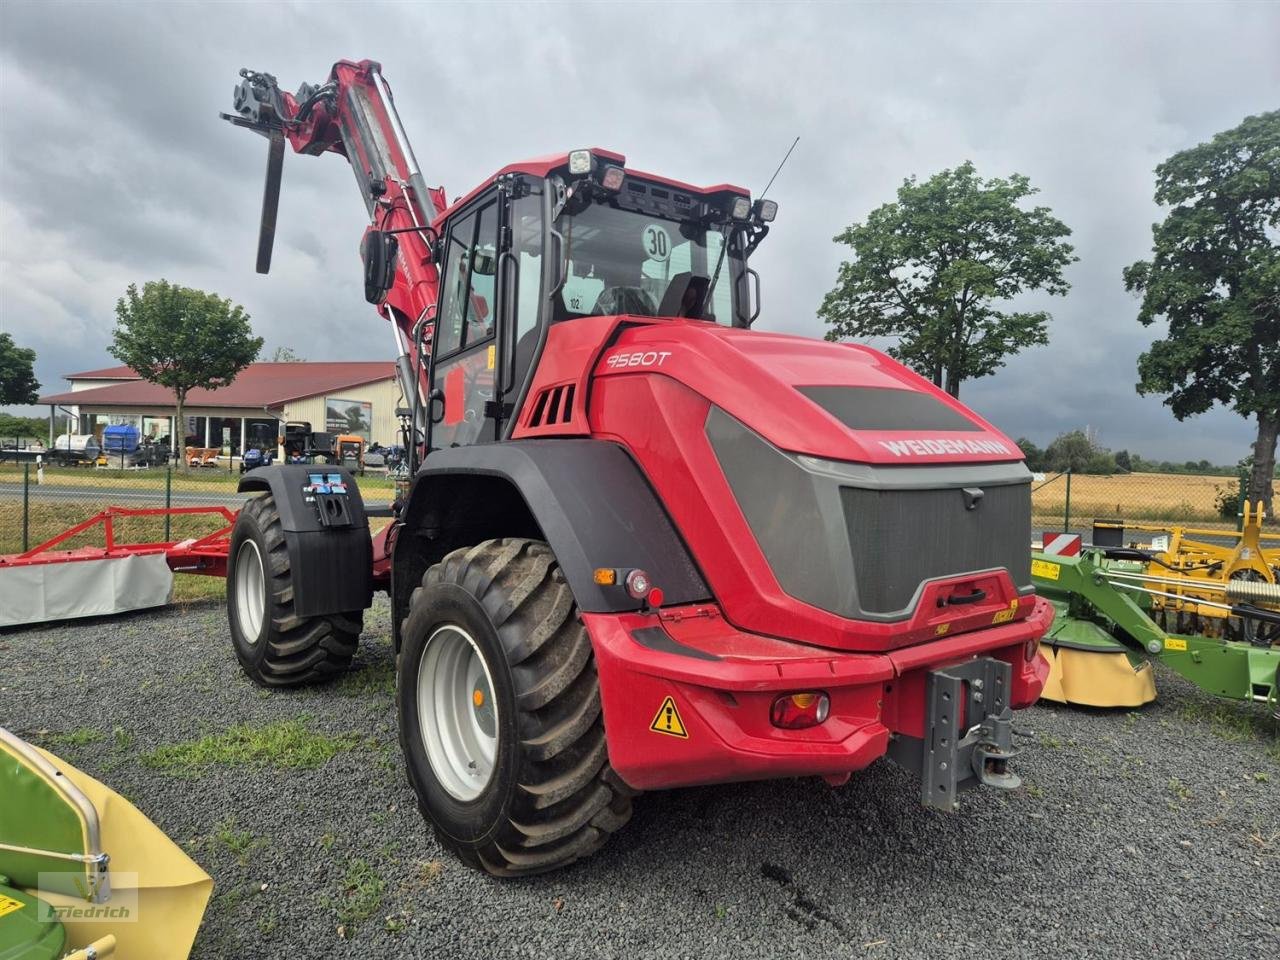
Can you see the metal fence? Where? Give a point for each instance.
(1071, 502)
(38, 502)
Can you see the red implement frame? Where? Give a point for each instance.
(204, 555)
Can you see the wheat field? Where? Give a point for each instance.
(1134, 496)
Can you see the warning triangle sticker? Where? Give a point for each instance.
(668, 721)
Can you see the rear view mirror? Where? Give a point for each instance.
(379, 254)
(484, 261)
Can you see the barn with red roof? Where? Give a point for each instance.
(350, 397)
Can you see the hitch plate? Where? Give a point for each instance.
(968, 733)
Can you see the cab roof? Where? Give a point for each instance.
(544, 166)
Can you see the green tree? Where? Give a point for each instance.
(1124, 461)
(931, 268)
(285, 355)
(1214, 277)
(1070, 451)
(182, 339)
(23, 428)
(1033, 454)
(18, 383)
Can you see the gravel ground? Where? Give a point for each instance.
(1156, 831)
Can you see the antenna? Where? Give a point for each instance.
(779, 170)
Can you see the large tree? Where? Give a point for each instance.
(933, 268)
(182, 339)
(1214, 279)
(18, 383)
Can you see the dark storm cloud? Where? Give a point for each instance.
(114, 168)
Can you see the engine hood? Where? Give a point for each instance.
(830, 400)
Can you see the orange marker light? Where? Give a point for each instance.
(606, 576)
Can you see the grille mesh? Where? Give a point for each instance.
(901, 537)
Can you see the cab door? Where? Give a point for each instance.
(487, 321)
(465, 348)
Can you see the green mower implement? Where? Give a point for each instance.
(1103, 639)
(82, 870)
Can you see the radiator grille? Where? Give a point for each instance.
(901, 537)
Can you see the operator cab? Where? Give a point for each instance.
(622, 242)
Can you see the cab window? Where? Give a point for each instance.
(467, 311)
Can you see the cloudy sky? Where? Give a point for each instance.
(114, 167)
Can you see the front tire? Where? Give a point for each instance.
(499, 707)
(276, 647)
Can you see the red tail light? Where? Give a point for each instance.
(795, 711)
(1031, 649)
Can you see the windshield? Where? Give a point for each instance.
(623, 261)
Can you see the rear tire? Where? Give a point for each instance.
(276, 647)
(521, 784)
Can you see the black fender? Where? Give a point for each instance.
(586, 498)
(326, 531)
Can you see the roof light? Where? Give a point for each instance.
(741, 208)
(611, 179)
(580, 162)
(766, 210)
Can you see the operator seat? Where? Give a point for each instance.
(615, 300)
(684, 297)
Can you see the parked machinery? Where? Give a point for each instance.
(59, 831)
(645, 547)
(1211, 611)
(348, 451)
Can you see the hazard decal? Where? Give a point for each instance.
(1045, 570)
(668, 721)
(8, 904)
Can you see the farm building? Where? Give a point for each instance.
(351, 397)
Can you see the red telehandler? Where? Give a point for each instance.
(644, 546)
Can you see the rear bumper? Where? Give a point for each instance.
(722, 683)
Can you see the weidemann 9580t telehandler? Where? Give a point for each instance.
(644, 546)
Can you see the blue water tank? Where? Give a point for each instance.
(120, 438)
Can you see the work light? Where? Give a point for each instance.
(580, 162)
(741, 208)
(611, 179)
(766, 210)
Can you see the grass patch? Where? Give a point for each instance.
(241, 843)
(360, 898)
(75, 738)
(377, 678)
(187, 587)
(289, 744)
(1230, 721)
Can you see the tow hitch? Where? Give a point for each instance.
(968, 733)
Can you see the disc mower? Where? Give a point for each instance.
(83, 874)
(645, 546)
(1209, 610)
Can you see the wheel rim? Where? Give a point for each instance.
(251, 592)
(457, 714)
